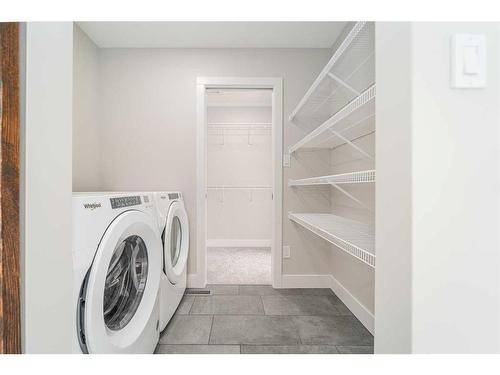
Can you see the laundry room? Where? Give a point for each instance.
(120, 94)
(255, 187)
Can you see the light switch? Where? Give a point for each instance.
(471, 60)
(468, 61)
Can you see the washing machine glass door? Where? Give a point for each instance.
(122, 286)
(175, 242)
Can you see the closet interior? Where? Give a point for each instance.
(239, 186)
(337, 114)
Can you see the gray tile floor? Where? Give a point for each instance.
(255, 319)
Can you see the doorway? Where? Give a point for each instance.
(239, 188)
(239, 231)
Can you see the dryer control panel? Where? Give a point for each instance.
(120, 202)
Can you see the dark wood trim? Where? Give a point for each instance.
(10, 304)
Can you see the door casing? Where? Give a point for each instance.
(199, 279)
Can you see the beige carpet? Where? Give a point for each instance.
(238, 265)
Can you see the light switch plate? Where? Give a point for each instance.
(468, 61)
(286, 251)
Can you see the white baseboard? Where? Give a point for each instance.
(238, 243)
(195, 281)
(328, 281)
(359, 310)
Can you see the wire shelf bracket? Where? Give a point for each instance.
(347, 86)
(352, 197)
(353, 145)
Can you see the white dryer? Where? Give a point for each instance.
(174, 229)
(116, 259)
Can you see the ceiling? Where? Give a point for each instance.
(213, 34)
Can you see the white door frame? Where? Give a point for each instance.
(199, 280)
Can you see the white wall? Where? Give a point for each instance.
(46, 269)
(437, 286)
(86, 132)
(236, 159)
(455, 172)
(393, 192)
(148, 122)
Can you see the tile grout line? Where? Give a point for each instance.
(278, 315)
(210, 334)
(191, 307)
(263, 308)
(270, 345)
(297, 328)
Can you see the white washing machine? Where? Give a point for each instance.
(174, 229)
(117, 255)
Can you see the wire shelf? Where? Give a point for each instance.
(344, 178)
(350, 71)
(354, 120)
(238, 126)
(248, 129)
(248, 189)
(355, 238)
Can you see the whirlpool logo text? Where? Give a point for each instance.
(91, 206)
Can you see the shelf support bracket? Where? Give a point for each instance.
(359, 149)
(350, 196)
(341, 82)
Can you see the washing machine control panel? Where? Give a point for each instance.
(120, 202)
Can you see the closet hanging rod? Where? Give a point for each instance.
(239, 123)
(234, 187)
(239, 128)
